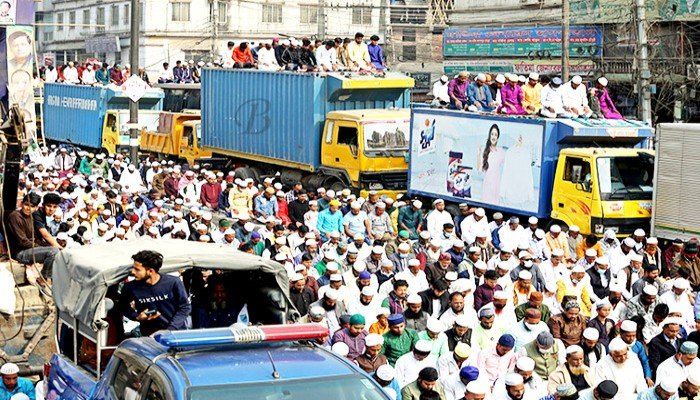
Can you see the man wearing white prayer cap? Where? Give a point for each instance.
(666, 389)
(535, 387)
(690, 387)
(515, 388)
(575, 98)
(12, 383)
(532, 94)
(409, 365)
(573, 371)
(371, 359)
(621, 367)
(607, 107)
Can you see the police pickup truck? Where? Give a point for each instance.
(100, 358)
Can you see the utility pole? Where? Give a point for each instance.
(214, 27)
(644, 74)
(565, 13)
(321, 17)
(134, 105)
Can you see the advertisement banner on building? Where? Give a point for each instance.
(522, 67)
(476, 159)
(622, 11)
(541, 42)
(8, 12)
(19, 72)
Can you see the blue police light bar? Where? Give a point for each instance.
(241, 334)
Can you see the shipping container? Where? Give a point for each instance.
(676, 184)
(535, 166)
(278, 117)
(75, 113)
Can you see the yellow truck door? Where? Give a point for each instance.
(341, 147)
(110, 131)
(572, 194)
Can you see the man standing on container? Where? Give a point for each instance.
(157, 301)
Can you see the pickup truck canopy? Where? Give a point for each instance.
(82, 275)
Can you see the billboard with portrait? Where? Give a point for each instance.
(8, 12)
(20, 64)
(494, 161)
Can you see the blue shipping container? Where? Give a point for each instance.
(279, 116)
(75, 113)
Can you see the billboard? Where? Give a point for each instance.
(622, 11)
(495, 162)
(585, 41)
(518, 66)
(20, 67)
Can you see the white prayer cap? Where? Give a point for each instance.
(574, 349)
(414, 262)
(384, 311)
(680, 283)
(628, 326)
(504, 265)
(617, 344)
(480, 212)
(203, 238)
(359, 266)
(281, 240)
(330, 254)
(694, 374)
(591, 253)
(19, 396)
(368, 291)
(336, 278)
(377, 250)
(9, 369)
(601, 261)
(407, 247)
(652, 240)
(120, 231)
(435, 242)
(616, 288)
(591, 334)
(513, 379)
(636, 257)
(481, 77)
(281, 257)
(578, 268)
(249, 226)
(577, 80)
(524, 253)
(629, 242)
(102, 226)
(417, 203)
(669, 383)
(332, 266)
(331, 294)
(386, 373)
(340, 348)
(500, 78)
(534, 75)
(476, 387)
(525, 364)
(462, 320)
(500, 295)
(310, 242)
(297, 277)
(62, 236)
(525, 275)
(480, 265)
(574, 228)
(555, 228)
(639, 232)
(533, 220)
(414, 299)
(451, 276)
(558, 252)
(650, 290)
(434, 325)
(424, 346)
(539, 234)
(374, 339)
(671, 321)
(474, 249)
(603, 81)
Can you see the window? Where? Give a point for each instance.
(329, 132)
(48, 36)
(181, 12)
(71, 20)
(59, 21)
(126, 17)
(309, 14)
(576, 169)
(347, 135)
(361, 16)
(127, 380)
(115, 15)
(272, 13)
(155, 392)
(222, 18)
(409, 53)
(86, 19)
(100, 20)
(409, 35)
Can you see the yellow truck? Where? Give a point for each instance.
(595, 174)
(177, 136)
(338, 130)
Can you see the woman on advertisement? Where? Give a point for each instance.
(491, 165)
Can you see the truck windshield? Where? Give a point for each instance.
(337, 388)
(626, 178)
(386, 138)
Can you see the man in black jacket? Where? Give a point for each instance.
(298, 207)
(665, 344)
(600, 277)
(416, 318)
(300, 294)
(437, 295)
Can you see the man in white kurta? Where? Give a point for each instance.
(437, 219)
(623, 369)
(409, 365)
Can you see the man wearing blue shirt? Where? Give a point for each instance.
(330, 220)
(12, 384)
(156, 301)
(266, 204)
(355, 221)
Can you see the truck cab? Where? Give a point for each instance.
(604, 188)
(177, 135)
(115, 128)
(369, 147)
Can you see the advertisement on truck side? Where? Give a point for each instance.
(492, 162)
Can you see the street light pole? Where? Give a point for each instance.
(134, 60)
(565, 13)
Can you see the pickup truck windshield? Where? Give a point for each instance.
(386, 138)
(626, 178)
(337, 388)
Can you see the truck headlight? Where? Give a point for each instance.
(376, 186)
(598, 228)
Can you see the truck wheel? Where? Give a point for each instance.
(257, 173)
(243, 173)
(337, 186)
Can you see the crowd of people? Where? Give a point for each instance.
(431, 305)
(512, 94)
(304, 55)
